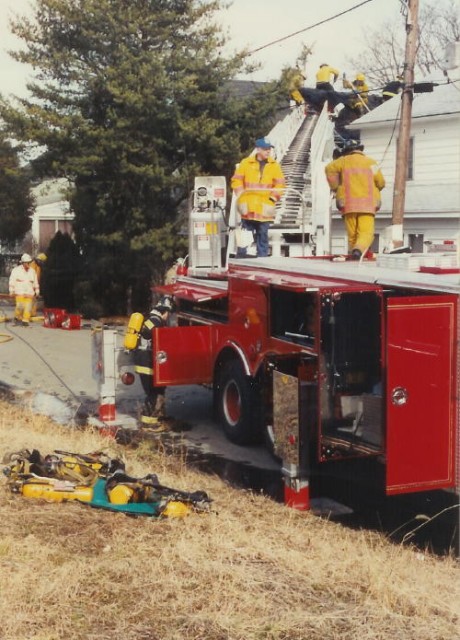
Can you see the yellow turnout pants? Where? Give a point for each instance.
(23, 308)
(360, 230)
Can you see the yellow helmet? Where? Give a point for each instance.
(121, 494)
(176, 509)
(361, 77)
(42, 257)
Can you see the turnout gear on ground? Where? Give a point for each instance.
(356, 181)
(97, 480)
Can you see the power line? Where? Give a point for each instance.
(312, 26)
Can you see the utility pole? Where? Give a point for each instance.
(403, 142)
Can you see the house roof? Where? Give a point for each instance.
(443, 101)
(243, 88)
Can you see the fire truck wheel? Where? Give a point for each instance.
(237, 404)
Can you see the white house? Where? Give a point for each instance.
(52, 212)
(432, 202)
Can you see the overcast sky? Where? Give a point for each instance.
(253, 24)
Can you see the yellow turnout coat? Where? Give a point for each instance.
(258, 191)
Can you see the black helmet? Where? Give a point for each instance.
(164, 304)
(352, 145)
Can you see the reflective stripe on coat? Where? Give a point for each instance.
(357, 182)
(254, 189)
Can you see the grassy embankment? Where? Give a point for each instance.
(250, 570)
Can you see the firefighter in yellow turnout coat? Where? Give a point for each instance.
(258, 183)
(356, 181)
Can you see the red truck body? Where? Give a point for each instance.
(328, 362)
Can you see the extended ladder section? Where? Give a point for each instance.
(294, 210)
(302, 218)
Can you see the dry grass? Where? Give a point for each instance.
(252, 570)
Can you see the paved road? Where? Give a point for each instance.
(51, 370)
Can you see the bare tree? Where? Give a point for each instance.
(382, 58)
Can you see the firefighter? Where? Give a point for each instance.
(357, 182)
(323, 77)
(153, 414)
(296, 81)
(392, 88)
(37, 265)
(358, 103)
(23, 284)
(258, 183)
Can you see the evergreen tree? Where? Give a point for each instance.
(128, 104)
(60, 272)
(16, 201)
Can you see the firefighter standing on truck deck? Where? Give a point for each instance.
(356, 181)
(153, 414)
(258, 183)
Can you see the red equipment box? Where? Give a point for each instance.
(53, 318)
(71, 321)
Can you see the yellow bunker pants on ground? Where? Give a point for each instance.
(23, 308)
(360, 230)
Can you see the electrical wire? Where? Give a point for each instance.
(392, 134)
(312, 26)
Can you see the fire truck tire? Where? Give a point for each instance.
(237, 404)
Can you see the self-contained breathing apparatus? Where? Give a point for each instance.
(97, 480)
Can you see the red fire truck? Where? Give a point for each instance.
(335, 363)
(330, 362)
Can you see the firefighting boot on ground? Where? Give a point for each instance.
(153, 415)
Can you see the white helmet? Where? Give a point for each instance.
(26, 258)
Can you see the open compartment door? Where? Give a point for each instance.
(420, 393)
(350, 376)
(182, 355)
